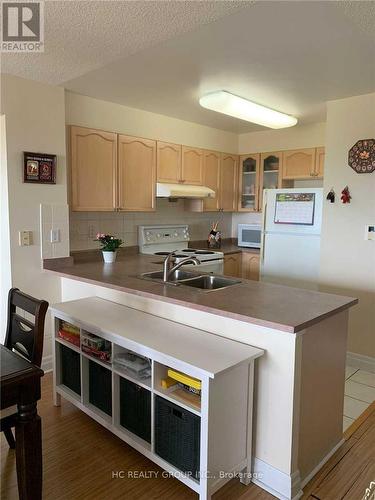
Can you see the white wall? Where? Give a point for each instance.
(347, 260)
(35, 121)
(301, 136)
(94, 113)
(5, 267)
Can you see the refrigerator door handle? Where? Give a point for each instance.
(262, 247)
(264, 214)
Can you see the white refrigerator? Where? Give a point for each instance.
(290, 249)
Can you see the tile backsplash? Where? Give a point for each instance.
(85, 225)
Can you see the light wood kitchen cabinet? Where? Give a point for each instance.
(232, 264)
(319, 162)
(299, 164)
(248, 185)
(169, 163)
(93, 165)
(220, 174)
(228, 182)
(211, 179)
(250, 266)
(136, 174)
(192, 166)
(270, 173)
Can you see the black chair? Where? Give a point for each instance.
(24, 337)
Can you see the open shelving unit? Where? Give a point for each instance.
(184, 433)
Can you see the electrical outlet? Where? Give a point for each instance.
(25, 238)
(55, 235)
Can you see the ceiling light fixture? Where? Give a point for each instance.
(232, 105)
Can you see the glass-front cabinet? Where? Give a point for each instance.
(249, 183)
(270, 173)
(258, 172)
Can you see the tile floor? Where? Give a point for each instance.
(359, 393)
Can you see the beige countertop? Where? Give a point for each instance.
(230, 248)
(275, 306)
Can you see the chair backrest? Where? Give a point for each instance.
(24, 336)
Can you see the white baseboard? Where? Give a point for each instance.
(279, 484)
(360, 361)
(47, 363)
(320, 464)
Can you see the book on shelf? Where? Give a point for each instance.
(70, 337)
(190, 389)
(185, 379)
(137, 366)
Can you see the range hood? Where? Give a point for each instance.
(164, 190)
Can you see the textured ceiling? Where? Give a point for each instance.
(161, 56)
(82, 35)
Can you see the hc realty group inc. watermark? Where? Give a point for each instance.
(22, 26)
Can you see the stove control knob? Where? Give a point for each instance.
(158, 235)
(185, 236)
(175, 235)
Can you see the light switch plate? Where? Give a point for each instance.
(54, 230)
(25, 238)
(55, 235)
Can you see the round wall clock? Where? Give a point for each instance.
(362, 156)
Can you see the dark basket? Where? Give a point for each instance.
(135, 409)
(177, 436)
(70, 362)
(100, 387)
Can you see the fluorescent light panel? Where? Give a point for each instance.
(232, 105)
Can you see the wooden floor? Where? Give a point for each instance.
(79, 457)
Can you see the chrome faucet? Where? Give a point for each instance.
(167, 270)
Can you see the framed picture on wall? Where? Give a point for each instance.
(39, 168)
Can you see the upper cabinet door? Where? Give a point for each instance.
(168, 162)
(137, 173)
(211, 179)
(270, 173)
(248, 196)
(93, 169)
(319, 162)
(228, 182)
(299, 164)
(192, 166)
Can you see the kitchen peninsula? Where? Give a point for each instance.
(299, 381)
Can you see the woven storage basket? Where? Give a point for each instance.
(100, 387)
(177, 436)
(70, 362)
(135, 409)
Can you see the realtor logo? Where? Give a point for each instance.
(22, 26)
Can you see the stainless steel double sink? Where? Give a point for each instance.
(206, 282)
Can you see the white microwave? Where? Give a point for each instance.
(249, 235)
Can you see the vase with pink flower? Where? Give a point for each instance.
(109, 245)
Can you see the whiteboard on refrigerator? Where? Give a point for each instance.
(295, 208)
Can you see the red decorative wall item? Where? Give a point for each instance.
(345, 195)
(362, 156)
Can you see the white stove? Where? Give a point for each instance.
(163, 239)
